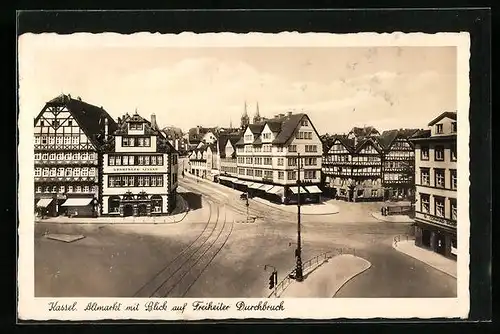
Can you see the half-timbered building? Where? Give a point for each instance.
(139, 170)
(68, 135)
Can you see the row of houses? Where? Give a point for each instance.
(265, 158)
(88, 164)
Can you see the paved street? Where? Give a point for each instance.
(222, 259)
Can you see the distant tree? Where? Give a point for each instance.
(408, 173)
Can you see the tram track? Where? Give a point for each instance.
(151, 287)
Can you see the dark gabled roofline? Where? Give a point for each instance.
(434, 138)
(449, 114)
(370, 140)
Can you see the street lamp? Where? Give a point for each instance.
(298, 252)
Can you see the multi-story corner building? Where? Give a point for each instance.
(140, 170)
(203, 159)
(267, 159)
(352, 169)
(68, 136)
(436, 185)
(398, 164)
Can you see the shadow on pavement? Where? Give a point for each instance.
(193, 200)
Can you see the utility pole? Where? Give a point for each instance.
(298, 270)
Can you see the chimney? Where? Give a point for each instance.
(106, 127)
(282, 115)
(289, 113)
(355, 141)
(79, 99)
(153, 122)
(69, 96)
(276, 116)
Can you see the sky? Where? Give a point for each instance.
(338, 87)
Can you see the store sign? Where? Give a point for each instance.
(440, 220)
(137, 169)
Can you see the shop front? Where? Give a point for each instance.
(442, 240)
(46, 207)
(138, 205)
(275, 194)
(80, 206)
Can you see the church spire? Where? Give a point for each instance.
(245, 120)
(257, 118)
(257, 111)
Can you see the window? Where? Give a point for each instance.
(91, 171)
(439, 178)
(439, 206)
(38, 171)
(42, 123)
(304, 122)
(424, 153)
(52, 140)
(54, 189)
(250, 172)
(159, 181)
(266, 136)
(249, 160)
(374, 193)
(53, 172)
(69, 172)
(76, 171)
(141, 160)
(67, 140)
(45, 156)
(60, 172)
(160, 160)
(439, 128)
(310, 161)
(147, 160)
(37, 156)
(85, 156)
(453, 209)
(153, 160)
(425, 203)
(424, 176)
(39, 189)
(118, 160)
(75, 140)
(453, 126)
(67, 156)
(146, 181)
(52, 156)
(147, 141)
(111, 160)
(453, 153)
(59, 140)
(78, 189)
(281, 175)
(85, 171)
(44, 140)
(311, 148)
(55, 123)
(281, 161)
(280, 149)
(45, 172)
(292, 148)
(309, 174)
(70, 189)
(76, 156)
(453, 173)
(268, 161)
(439, 153)
(258, 172)
(37, 139)
(292, 161)
(241, 171)
(268, 174)
(291, 175)
(70, 122)
(62, 189)
(60, 156)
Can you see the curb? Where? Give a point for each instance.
(373, 214)
(305, 214)
(353, 276)
(430, 265)
(185, 213)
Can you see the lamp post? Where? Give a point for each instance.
(298, 253)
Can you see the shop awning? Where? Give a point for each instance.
(313, 189)
(277, 190)
(245, 183)
(266, 187)
(295, 190)
(255, 185)
(225, 178)
(44, 202)
(83, 201)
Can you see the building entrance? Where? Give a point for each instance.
(128, 210)
(142, 210)
(426, 238)
(440, 244)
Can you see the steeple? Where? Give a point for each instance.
(257, 118)
(230, 122)
(245, 120)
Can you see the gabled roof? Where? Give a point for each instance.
(89, 117)
(136, 118)
(365, 141)
(274, 126)
(386, 139)
(257, 141)
(364, 131)
(288, 126)
(421, 134)
(256, 128)
(449, 114)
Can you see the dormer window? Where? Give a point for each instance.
(135, 126)
(439, 128)
(453, 127)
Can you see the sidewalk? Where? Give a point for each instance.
(172, 219)
(323, 208)
(327, 279)
(430, 258)
(403, 219)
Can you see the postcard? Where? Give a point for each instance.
(243, 176)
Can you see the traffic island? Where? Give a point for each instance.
(397, 219)
(328, 278)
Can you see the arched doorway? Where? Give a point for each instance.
(156, 204)
(128, 210)
(114, 204)
(142, 210)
